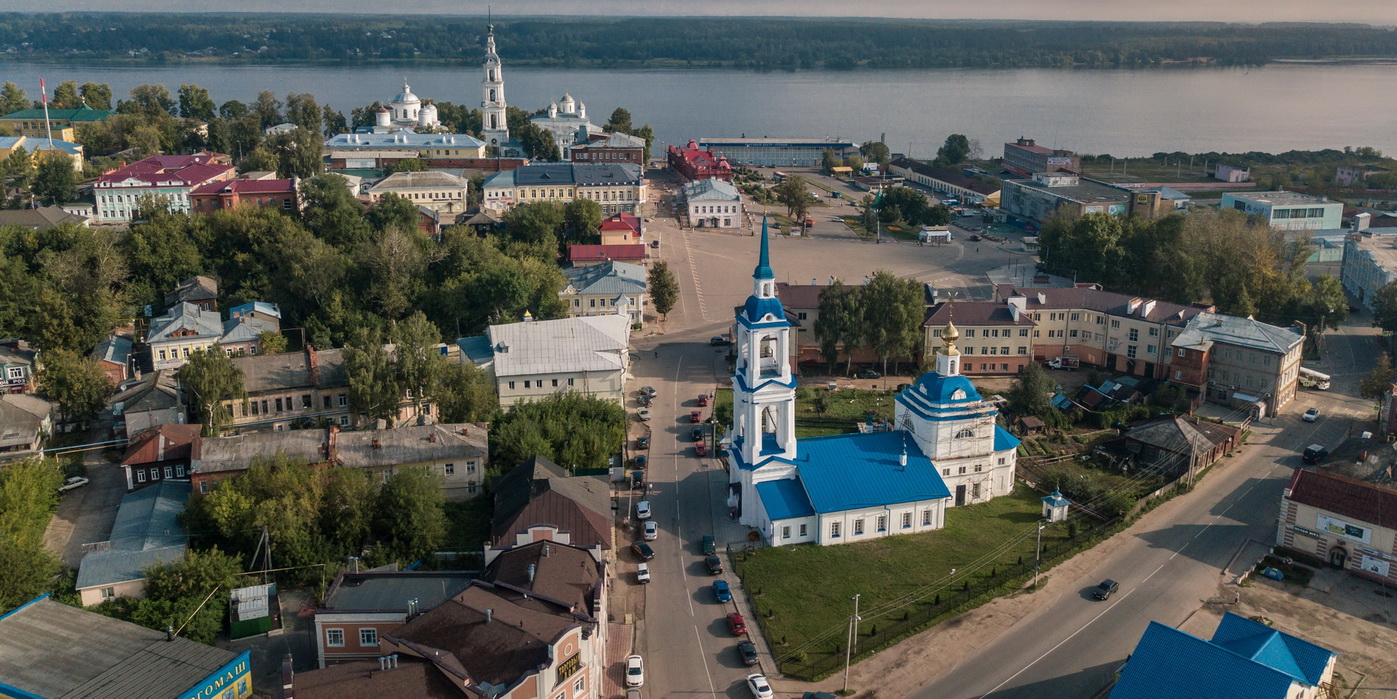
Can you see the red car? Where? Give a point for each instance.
(737, 625)
(700, 449)
(695, 416)
(703, 400)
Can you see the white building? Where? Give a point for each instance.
(439, 191)
(494, 126)
(853, 487)
(713, 203)
(535, 359)
(564, 120)
(1289, 211)
(1370, 263)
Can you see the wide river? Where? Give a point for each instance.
(1122, 112)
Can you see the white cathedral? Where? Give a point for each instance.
(946, 450)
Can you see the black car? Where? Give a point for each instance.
(719, 341)
(870, 374)
(714, 563)
(1104, 590)
(697, 434)
(975, 238)
(643, 550)
(1314, 454)
(642, 442)
(747, 650)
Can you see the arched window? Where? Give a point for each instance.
(965, 433)
(959, 394)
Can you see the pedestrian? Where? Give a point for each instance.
(1237, 597)
(657, 354)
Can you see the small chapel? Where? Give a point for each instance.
(946, 449)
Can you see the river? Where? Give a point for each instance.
(1274, 108)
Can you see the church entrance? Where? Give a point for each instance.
(960, 495)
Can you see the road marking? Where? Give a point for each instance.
(712, 688)
(693, 272)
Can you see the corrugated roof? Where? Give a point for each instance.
(592, 253)
(972, 313)
(245, 329)
(591, 343)
(115, 349)
(1181, 435)
(785, 499)
(185, 316)
(1206, 328)
(799, 295)
(22, 418)
(40, 219)
(246, 187)
(950, 177)
(1095, 299)
(237, 452)
(418, 180)
(146, 532)
(851, 471)
(539, 491)
(607, 278)
(400, 140)
(556, 571)
(82, 113)
(1345, 496)
(410, 445)
(413, 677)
(1003, 441)
(160, 444)
(289, 370)
(184, 170)
(711, 189)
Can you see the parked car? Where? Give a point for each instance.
(700, 449)
(642, 442)
(696, 434)
(715, 565)
(642, 573)
(737, 625)
(975, 238)
(71, 483)
(1310, 415)
(1314, 454)
(642, 509)
(643, 550)
(652, 530)
(635, 671)
(1105, 589)
(817, 695)
(719, 341)
(703, 400)
(695, 416)
(641, 460)
(721, 591)
(747, 651)
(643, 400)
(709, 547)
(637, 479)
(869, 374)
(761, 689)
(643, 414)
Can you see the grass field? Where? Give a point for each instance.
(849, 403)
(806, 589)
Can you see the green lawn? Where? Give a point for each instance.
(807, 588)
(847, 403)
(903, 232)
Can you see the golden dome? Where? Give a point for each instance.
(950, 334)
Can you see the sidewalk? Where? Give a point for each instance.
(619, 639)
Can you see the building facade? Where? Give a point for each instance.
(1026, 158)
(616, 187)
(714, 203)
(1288, 211)
(605, 289)
(995, 338)
(368, 151)
(610, 148)
(1350, 523)
(180, 332)
(171, 178)
(39, 148)
(1238, 361)
(778, 152)
(441, 192)
(63, 122)
(693, 163)
(949, 182)
(282, 195)
(1370, 263)
(17, 366)
(535, 359)
(1053, 193)
(360, 607)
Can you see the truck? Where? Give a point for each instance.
(1065, 361)
(1309, 378)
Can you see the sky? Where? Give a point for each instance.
(1382, 12)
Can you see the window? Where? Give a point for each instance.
(1130, 351)
(326, 402)
(555, 383)
(1004, 350)
(526, 383)
(344, 400)
(1149, 349)
(975, 490)
(253, 404)
(906, 520)
(368, 637)
(1023, 333)
(470, 467)
(1181, 352)
(1076, 316)
(264, 408)
(786, 531)
(179, 470)
(305, 401)
(945, 471)
(858, 526)
(344, 421)
(970, 332)
(141, 476)
(1023, 349)
(203, 487)
(278, 405)
(965, 433)
(511, 385)
(569, 382)
(926, 518)
(1115, 324)
(1154, 332)
(451, 469)
(334, 638)
(962, 471)
(1134, 334)
(1072, 333)
(470, 487)
(802, 530)
(1178, 375)
(162, 355)
(108, 593)
(882, 523)
(579, 685)
(834, 530)
(169, 472)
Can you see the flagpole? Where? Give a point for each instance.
(48, 126)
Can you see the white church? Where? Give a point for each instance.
(946, 450)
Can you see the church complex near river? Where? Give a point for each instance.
(946, 451)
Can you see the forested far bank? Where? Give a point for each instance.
(773, 44)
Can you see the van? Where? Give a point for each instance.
(1314, 454)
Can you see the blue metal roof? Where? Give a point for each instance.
(851, 471)
(784, 499)
(1171, 664)
(936, 397)
(763, 268)
(757, 308)
(1003, 441)
(553, 173)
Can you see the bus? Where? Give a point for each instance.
(778, 176)
(1309, 378)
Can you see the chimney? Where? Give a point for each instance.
(432, 437)
(1042, 298)
(488, 614)
(532, 569)
(1148, 308)
(378, 444)
(313, 365)
(288, 678)
(382, 663)
(169, 633)
(546, 550)
(1131, 307)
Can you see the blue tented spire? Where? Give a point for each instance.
(763, 270)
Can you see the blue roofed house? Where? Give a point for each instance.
(1244, 660)
(607, 288)
(946, 450)
(144, 534)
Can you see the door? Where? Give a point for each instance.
(960, 495)
(1338, 556)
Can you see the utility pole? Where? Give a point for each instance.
(849, 646)
(1037, 553)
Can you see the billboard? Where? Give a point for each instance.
(1331, 525)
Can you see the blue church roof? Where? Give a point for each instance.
(942, 389)
(784, 499)
(763, 269)
(1245, 660)
(1003, 441)
(851, 471)
(756, 308)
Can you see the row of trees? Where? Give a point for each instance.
(28, 498)
(886, 315)
(573, 430)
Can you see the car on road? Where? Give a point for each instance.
(761, 689)
(696, 434)
(737, 625)
(635, 671)
(643, 400)
(835, 219)
(648, 391)
(641, 460)
(869, 374)
(721, 591)
(1310, 415)
(709, 546)
(71, 483)
(1314, 454)
(700, 449)
(747, 650)
(642, 509)
(642, 573)
(714, 564)
(695, 416)
(652, 530)
(654, 243)
(642, 442)
(643, 414)
(643, 550)
(1105, 589)
(719, 341)
(975, 238)
(703, 400)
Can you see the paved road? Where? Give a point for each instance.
(85, 515)
(1073, 644)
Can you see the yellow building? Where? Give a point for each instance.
(38, 147)
(64, 122)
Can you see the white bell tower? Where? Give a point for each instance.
(763, 385)
(494, 129)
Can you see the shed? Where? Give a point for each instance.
(1029, 424)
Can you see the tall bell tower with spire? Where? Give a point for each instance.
(494, 126)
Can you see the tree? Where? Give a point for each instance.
(875, 152)
(840, 321)
(893, 311)
(1032, 392)
(302, 110)
(953, 152)
(1328, 303)
(195, 103)
(150, 101)
(96, 95)
(828, 161)
(12, 98)
(582, 219)
(333, 121)
(76, 382)
(419, 365)
(55, 181)
(267, 109)
(663, 288)
(464, 393)
(65, 96)
(411, 518)
(574, 430)
(1385, 307)
(407, 165)
(793, 194)
(299, 153)
(271, 342)
(209, 379)
(373, 383)
(28, 498)
(620, 121)
(1377, 382)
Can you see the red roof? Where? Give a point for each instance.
(247, 187)
(592, 253)
(163, 443)
(621, 222)
(1345, 497)
(188, 169)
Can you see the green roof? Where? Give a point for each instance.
(83, 113)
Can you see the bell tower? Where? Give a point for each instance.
(763, 385)
(494, 129)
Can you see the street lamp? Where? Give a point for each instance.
(1038, 551)
(853, 636)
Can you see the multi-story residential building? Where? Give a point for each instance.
(280, 194)
(713, 203)
(64, 122)
(168, 177)
(17, 366)
(1058, 193)
(438, 191)
(534, 359)
(610, 148)
(693, 163)
(1348, 175)
(25, 422)
(158, 454)
(356, 151)
(39, 147)
(456, 452)
(362, 606)
(182, 331)
(1289, 211)
(995, 338)
(292, 388)
(604, 289)
(949, 182)
(621, 229)
(1238, 361)
(1370, 263)
(1026, 158)
(778, 152)
(1350, 523)
(617, 187)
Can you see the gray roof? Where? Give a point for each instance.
(157, 390)
(53, 650)
(590, 343)
(410, 445)
(276, 372)
(237, 452)
(429, 179)
(40, 219)
(1085, 191)
(1206, 328)
(19, 354)
(400, 140)
(1281, 198)
(711, 189)
(607, 278)
(606, 173)
(245, 329)
(390, 590)
(1180, 435)
(196, 288)
(146, 532)
(115, 349)
(184, 316)
(615, 140)
(21, 418)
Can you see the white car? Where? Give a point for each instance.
(643, 414)
(642, 573)
(642, 509)
(635, 672)
(652, 530)
(1310, 415)
(759, 686)
(71, 483)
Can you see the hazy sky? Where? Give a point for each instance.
(1367, 11)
